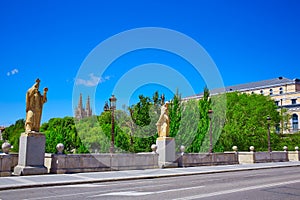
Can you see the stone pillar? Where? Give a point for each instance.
(5, 164)
(166, 152)
(31, 154)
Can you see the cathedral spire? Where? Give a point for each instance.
(88, 110)
(82, 112)
(80, 102)
(79, 113)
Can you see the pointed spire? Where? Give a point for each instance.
(82, 112)
(88, 110)
(79, 110)
(80, 102)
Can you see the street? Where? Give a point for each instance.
(273, 184)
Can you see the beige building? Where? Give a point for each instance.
(2, 128)
(284, 91)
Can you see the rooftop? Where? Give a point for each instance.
(250, 86)
(262, 84)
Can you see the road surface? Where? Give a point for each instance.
(273, 184)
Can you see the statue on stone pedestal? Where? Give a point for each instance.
(163, 123)
(34, 107)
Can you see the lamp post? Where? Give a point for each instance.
(210, 112)
(281, 114)
(111, 107)
(269, 139)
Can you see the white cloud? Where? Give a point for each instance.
(12, 72)
(92, 81)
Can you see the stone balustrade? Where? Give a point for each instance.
(294, 155)
(202, 159)
(263, 157)
(7, 163)
(73, 163)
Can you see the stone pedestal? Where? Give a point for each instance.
(31, 154)
(166, 152)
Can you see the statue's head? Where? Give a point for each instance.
(167, 103)
(37, 83)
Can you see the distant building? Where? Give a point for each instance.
(285, 92)
(2, 128)
(82, 112)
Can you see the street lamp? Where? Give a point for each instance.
(269, 140)
(210, 112)
(281, 130)
(111, 107)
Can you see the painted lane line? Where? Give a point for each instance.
(237, 190)
(90, 193)
(137, 193)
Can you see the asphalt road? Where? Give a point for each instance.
(273, 184)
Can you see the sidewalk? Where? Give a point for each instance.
(17, 182)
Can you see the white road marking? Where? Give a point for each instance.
(79, 186)
(136, 193)
(89, 193)
(129, 193)
(79, 176)
(237, 190)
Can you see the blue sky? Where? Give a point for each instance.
(247, 40)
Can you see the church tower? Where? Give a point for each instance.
(88, 110)
(79, 113)
(82, 112)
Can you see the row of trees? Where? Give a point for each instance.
(238, 119)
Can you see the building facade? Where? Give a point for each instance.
(2, 128)
(82, 112)
(285, 92)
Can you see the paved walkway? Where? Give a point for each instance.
(17, 182)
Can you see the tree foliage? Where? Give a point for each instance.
(189, 118)
(62, 130)
(175, 114)
(203, 123)
(246, 122)
(140, 111)
(13, 132)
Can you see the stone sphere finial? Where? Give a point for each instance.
(60, 148)
(182, 149)
(296, 148)
(154, 148)
(235, 148)
(251, 148)
(6, 147)
(285, 148)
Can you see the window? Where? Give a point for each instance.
(261, 92)
(277, 128)
(271, 91)
(295, 122)
(281, 90)
(294, 101)
(277, 103)
(252, 92)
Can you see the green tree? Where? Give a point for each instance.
(140, 111)
(203, 124)
(92, 135)
(187, 131)
(13, 132)
(175, 114)
(62, 130)
(144, 116)
(246, 123)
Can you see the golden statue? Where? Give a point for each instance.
(34, 107)
(163, 123)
